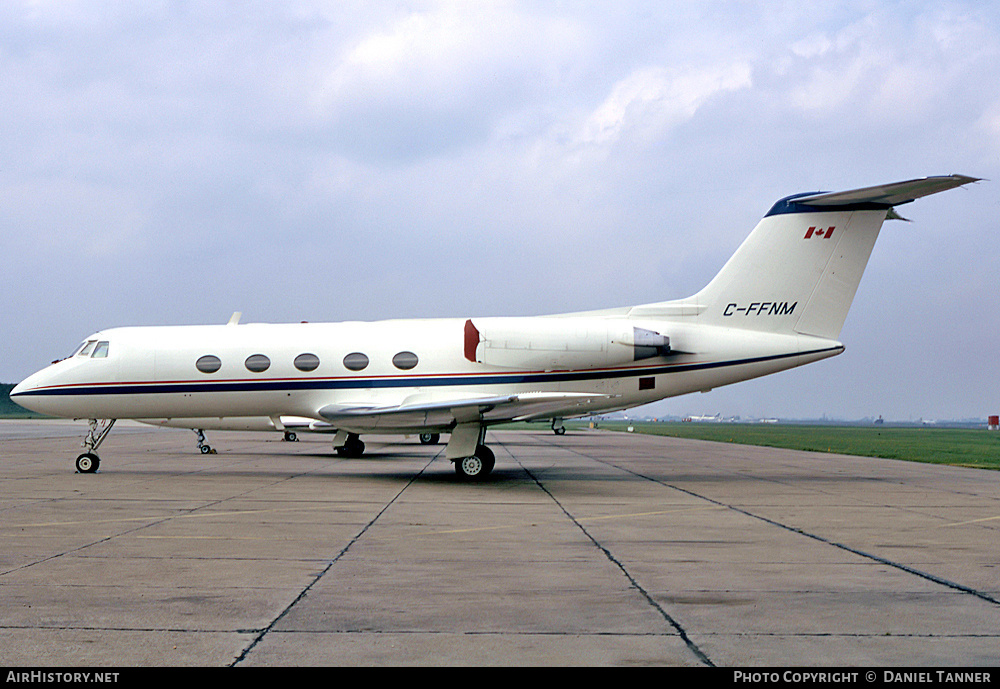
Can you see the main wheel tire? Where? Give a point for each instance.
(354, 447)
(476, 467)
(430, 438)
(88, 463)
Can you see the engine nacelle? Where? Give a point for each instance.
(560, 344)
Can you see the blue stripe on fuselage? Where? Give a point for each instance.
(292, 384)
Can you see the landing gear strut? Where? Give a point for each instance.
(557, 427)
(89, 462)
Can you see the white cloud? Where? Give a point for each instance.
(651, 100)
(442, 76)
(892, 68)
(813, 46)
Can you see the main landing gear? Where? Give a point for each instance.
(557, 427)
(205, 448)
(430, 438)
(353, 447)
(467, 449)
(89, 462)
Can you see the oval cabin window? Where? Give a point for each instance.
(307, 362)
(355, 361)
(258, 363)
(404, 360)
(208, 364)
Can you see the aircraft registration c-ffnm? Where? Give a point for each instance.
(779, 302)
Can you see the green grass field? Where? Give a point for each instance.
(969, 447)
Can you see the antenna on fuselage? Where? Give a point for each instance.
(235, 318)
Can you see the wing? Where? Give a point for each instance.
(444, 414)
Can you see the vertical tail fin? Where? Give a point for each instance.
(799, 269)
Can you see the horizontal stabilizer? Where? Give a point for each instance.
(887, 194)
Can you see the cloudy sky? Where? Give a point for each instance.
(174, 162)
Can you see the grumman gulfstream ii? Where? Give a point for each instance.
(779, 302)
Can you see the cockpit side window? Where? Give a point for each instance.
(88, 347)
(101, 350)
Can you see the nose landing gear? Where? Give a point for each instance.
(89, 462)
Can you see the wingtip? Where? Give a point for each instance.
(970, 180)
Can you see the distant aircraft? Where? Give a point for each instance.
(717, 417)
(779, 302)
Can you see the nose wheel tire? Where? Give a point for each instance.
(88, 463)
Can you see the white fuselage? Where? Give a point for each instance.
(152, 372)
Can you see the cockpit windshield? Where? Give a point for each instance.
(93, 349)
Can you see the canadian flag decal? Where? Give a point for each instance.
(825, 234)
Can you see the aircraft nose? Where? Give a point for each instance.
(22, 387)
(21, 394)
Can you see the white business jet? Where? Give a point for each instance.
(779, 302)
